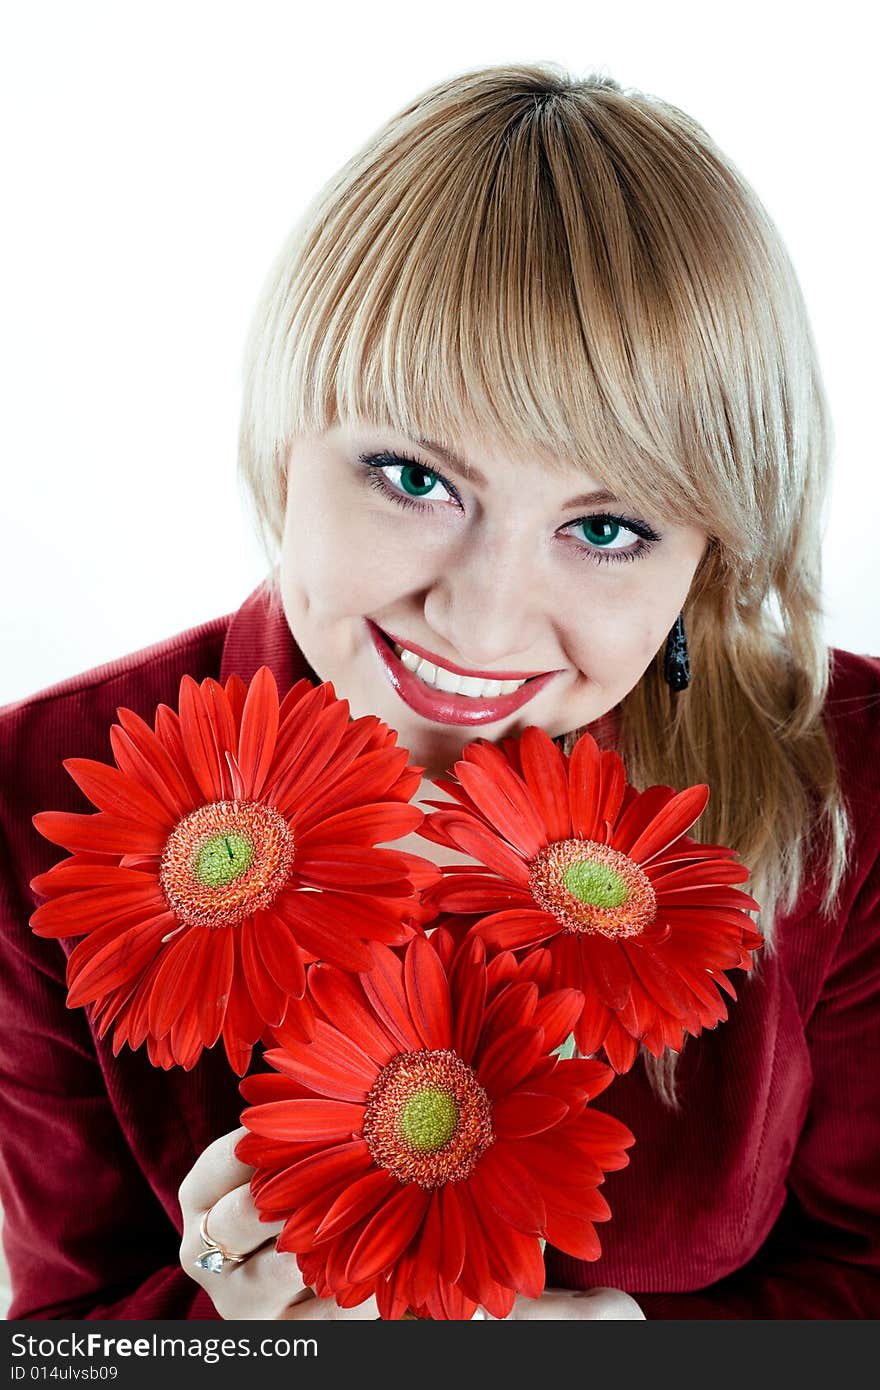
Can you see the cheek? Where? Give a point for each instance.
(343, 557)
(616, 635)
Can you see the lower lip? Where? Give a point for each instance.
(440, 705)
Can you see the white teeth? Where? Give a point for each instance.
(470, 685)
(441, 679)
(447, 680)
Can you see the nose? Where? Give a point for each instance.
(488, 602)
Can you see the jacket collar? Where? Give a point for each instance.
(258, 635)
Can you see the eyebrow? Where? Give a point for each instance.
(466, 470)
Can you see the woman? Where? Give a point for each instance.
(531, 404)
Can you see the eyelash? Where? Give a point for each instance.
(376, 479)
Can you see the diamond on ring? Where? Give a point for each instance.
(214, 1257)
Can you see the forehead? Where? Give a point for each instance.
(497, 453)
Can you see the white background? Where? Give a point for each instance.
(156, 156)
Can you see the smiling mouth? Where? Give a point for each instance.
(454, 680)
(453, 697)
(441, 678)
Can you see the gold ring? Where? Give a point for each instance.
(215, 1257)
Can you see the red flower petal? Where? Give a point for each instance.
(242, 1024)
(215, 984)
(638, 813)
(340, 997)
(452, 1254)
(303, 1120)
(269, 998)
(72, 875)
(506, 803)
(427, 993)
(259, 729)
(121, 957)
(597, 782)
(500, 1069)
(74, 913)
(334, 1065)
(502, 1184)
(280, 953)
(620, 1048)
(388, 1233)
(200, 742)
(471, 838)
(356, 1202)
(518, 928)
(177, 983)
(303, 1181)
(478, 893)
(112, 791)
(100, 832)
(363, 825)
(669, 876)
(321, 931)
(609, 967)
(328, 731)
(520, 1114)
(140, 753)
(576, 1235)
(677, 816)
(557, 1013)
(385, 989)
(545, 772)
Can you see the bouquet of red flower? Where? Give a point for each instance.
(419, 1134)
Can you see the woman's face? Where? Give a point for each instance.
(404, 569)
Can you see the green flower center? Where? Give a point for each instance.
(222, 859)
(595, 883)
(429, 1119)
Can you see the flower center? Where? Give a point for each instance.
(225, 861)
(222, 859)
(592, 888)
(428, 1119)
(595, 883)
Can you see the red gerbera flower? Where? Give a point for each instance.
(634, 912)
(233, 845)
(427, 1140)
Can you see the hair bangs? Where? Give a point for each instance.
(523, 273)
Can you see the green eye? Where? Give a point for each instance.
(601, 529)
(416, 480)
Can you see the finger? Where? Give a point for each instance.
(328, 1310)
(607, 1304)
(267, 1285)
(234, 1223)
(216, 1171)
(594, 1305)
(264, 1286)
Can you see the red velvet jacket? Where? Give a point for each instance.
(758, 1199)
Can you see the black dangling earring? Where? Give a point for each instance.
(676, 664)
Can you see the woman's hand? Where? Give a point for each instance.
(267, 1283)
(558, 1304)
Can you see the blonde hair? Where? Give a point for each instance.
(576, 268)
